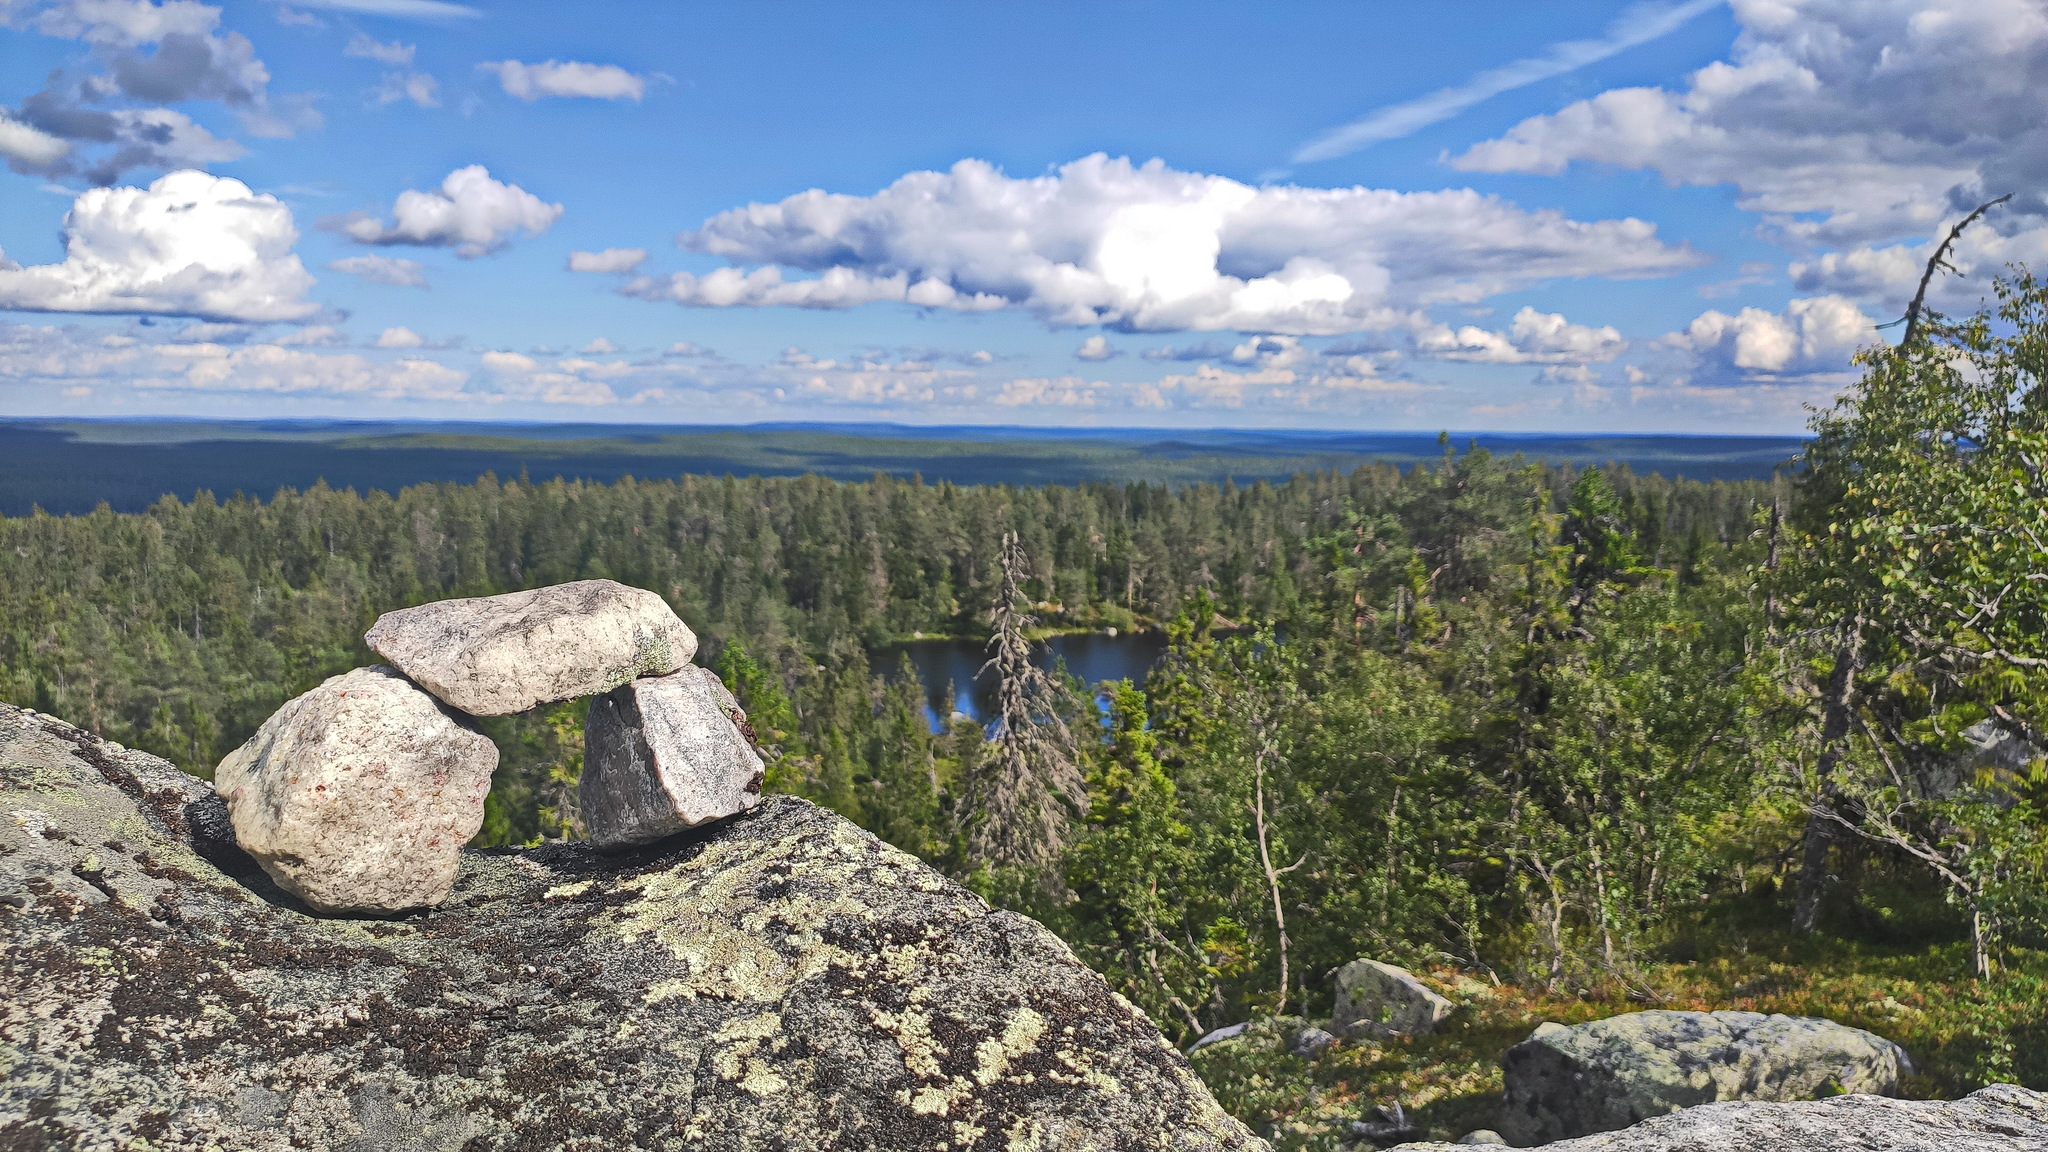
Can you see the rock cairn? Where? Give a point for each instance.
(358, 796)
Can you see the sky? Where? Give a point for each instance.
(1660, 216)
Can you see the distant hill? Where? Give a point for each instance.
(70, 466)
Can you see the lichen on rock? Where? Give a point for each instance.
(778, 980)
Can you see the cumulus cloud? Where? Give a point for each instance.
(153, 54)
(1148, 248)
(400, 337)
(471, 213)
(186, 59)
(1844, 123)
(1810, 341)
(1532, 338)
(530, 82)
(599, 347)
(392, 270)
(188, 245)
(1096, 347)
(609, 260)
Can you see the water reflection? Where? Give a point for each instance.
(1093, 657)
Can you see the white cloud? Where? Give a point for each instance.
(402, 9)
(1149, 248)
(599, 347)
(530, 82)
(49, 355)
(188, 245)
(1096, 347)
(273, 368)
(418, 87)
(609, 260)
(32, 149)
(1637, 24)
(312, 336)
(1532, 338)
(400, 337)
(471, 213)
(1809, 342)
(392, 270)
(1841, 121)
(125, 23)
(685, 348)
(395, 54)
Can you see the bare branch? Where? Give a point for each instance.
(1939, 261)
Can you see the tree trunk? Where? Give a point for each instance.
(1837, 709)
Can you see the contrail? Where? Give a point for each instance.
(1637, 24)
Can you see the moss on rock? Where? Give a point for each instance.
(781, 980)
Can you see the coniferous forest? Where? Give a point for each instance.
(1567, 739)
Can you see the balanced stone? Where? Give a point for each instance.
(1380, 1000)
(662, 754)
(1609, 1074)
(496, 655)
(359, 795)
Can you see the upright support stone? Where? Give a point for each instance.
(497, 655)
(662, 754)
(359, 795)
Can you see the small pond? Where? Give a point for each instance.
(1093, 657)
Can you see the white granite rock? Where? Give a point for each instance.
(665, 753)
(2001, 1118)
(1380, 1000)
(358, 796)
(496, 655)
(1605, 1075)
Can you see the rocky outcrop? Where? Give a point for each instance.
(778, 980)
(662, 754)
(496, 655)
(1380, 1000)
(1609, 1074)
(359, 795)
(2001, 1118)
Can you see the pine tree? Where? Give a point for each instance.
(1027, 787)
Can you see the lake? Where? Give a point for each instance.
(1093, 657)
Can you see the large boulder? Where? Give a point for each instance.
(778, 980)
(496, 655)
(2001, 1118)
(662, 754)
(1609, 1074)
(1380, 1000)
(359, 795)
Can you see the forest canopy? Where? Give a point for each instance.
(1547, 725)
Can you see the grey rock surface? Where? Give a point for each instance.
(1482, 1136)
(359, 795)
(781, 980)
(1380, 1000)
(2001, 1118)
(496, 655)
(665, 753)
(1608, 1074)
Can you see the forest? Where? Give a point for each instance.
(1576, 738)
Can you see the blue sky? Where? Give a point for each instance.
(1675, 215)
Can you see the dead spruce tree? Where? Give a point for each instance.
(1027, 786)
